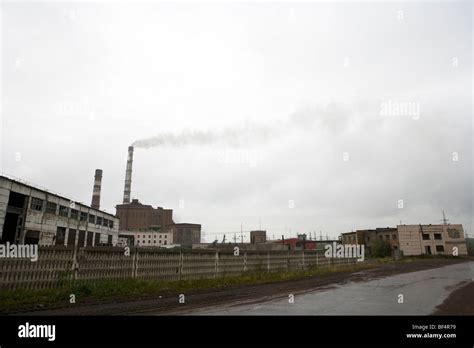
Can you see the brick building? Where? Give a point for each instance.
(137, 216)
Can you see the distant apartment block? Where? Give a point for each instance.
(31, 215)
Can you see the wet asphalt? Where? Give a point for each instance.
(415, 293)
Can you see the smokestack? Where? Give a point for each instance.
(96, 191)
(128, 176)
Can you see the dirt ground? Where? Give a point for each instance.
(459, 302)
(167, 305)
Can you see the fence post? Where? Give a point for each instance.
(216, 265)
(268, 262)
(245, 262)
(288, 261)
(75, 264)
(180, 267)
(135, 263)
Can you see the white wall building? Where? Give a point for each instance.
(31, 215)
(147, 239)
(432, 239)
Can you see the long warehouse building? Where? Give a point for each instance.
(31, 215)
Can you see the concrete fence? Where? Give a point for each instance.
(58, 266)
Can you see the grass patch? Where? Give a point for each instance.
(24, 300)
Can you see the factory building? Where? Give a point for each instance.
(367, 237)
(413, 239)
(147, 239)
(138, 216)
(186, 234)
(432, 239)
(31, 215)
(258, 237)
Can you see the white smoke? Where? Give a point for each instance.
(229, 136)
(331, 117)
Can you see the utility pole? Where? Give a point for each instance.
(445, 221)
(320, 235)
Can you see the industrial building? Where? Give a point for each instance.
(413, 240)
(258, 237)
(147, 239)
(139, 218)
(31, 215)
(367, 237)
(186, 234)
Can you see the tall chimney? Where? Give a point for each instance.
(128, 176)
(96, 191)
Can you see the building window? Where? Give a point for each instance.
(166, 236)
(381, 237)
(36, 204)
(74, 214)
(92, 219)
(160, 236)
(394, 236)
(426, 236)
(51, 208)
(105, 223)
(111, 223)
(63, 211)
(439, 248)
(166, 242)
(438, 236)
(98, 221)
(83, 216)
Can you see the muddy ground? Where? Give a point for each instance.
(459, 302)
(168, 305)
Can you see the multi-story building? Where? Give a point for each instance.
(137, 216)
(432, 239)
(31, 215)
(146, 239)
(413, 239)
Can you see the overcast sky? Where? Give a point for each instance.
(284, 114)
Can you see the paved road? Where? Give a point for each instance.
(422, 291)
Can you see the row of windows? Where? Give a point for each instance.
(387, 237)
(154, 242)
(437, 236)
(154, 236)
(52, 208)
